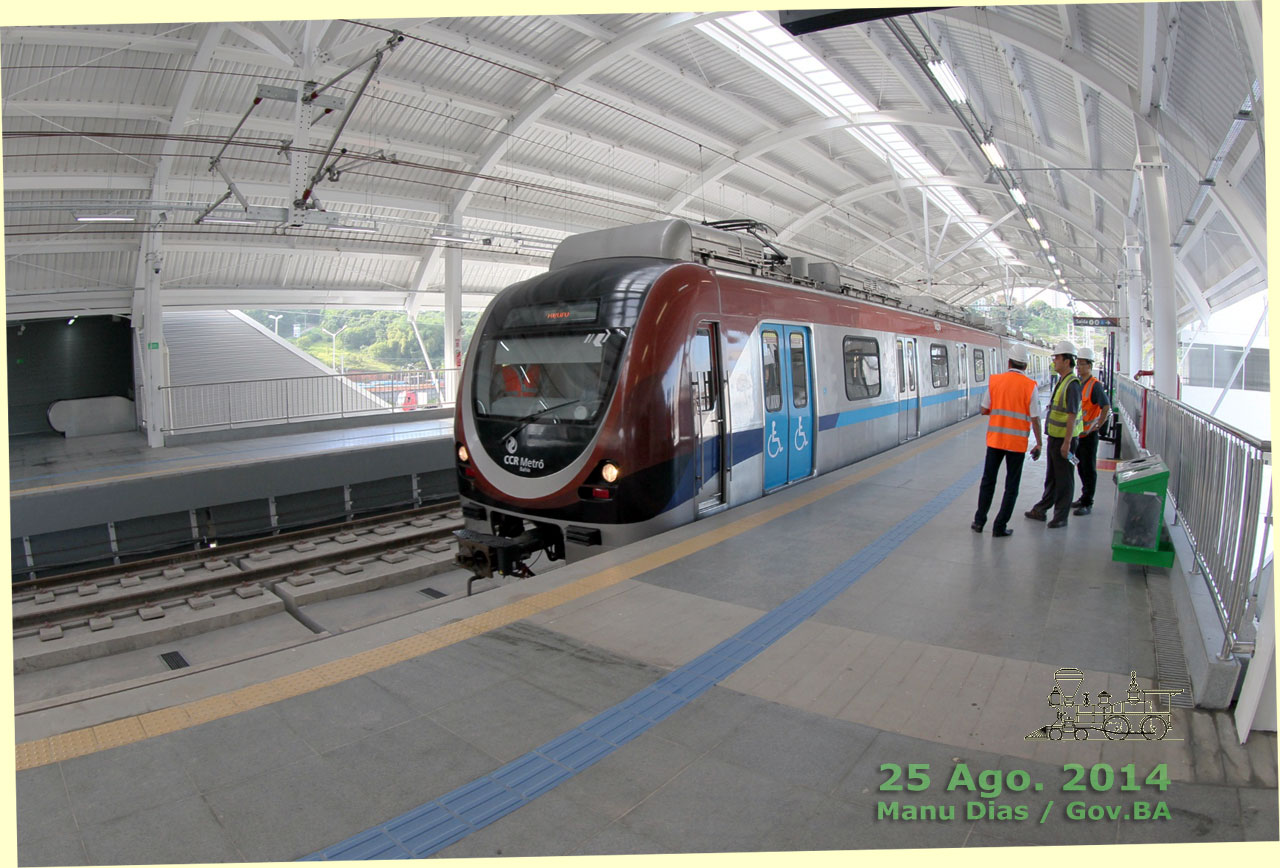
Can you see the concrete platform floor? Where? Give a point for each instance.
(40, 462)
(939, 649)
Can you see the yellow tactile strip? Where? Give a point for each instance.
(128, 730)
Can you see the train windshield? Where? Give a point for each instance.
(528, 377)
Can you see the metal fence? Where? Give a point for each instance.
(244, 403)
(1216, 481)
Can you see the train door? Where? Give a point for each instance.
(788, 404)
(908, 391)
(708, 408)
(962, 368)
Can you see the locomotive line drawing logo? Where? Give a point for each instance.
(1142, 712)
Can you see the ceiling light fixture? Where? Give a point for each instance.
(993, 154)
(73, 319)
(947, 79)
(1052, 259)
(1044, 242)
(105, 218)
(340, 228)
(229, 221)
(443, 236)
(1018, 196)
(1034, 224)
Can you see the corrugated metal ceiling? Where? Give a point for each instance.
(87, 110)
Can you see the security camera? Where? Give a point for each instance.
(156, 269)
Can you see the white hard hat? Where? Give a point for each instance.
(1085, 354)
(1018, 353)
(1064, 348)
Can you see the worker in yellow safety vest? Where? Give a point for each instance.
(1013, 406)
(1094, 406)
(1063, 426)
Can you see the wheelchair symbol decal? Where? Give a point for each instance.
(802, 441)
(775, 443)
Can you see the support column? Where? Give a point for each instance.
(1122, 360)
(148, 322)
(1133, 301)
(1164, 307)
(452, 318)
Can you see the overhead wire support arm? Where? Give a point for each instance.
(393, 40)
(231, 135)
(374, 61)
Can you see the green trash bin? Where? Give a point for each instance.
(1138, 534)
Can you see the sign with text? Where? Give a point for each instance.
(1097, 321)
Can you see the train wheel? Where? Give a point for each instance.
(1081, 733)
(1154, 728)
(1055, 733)
(1116, 727)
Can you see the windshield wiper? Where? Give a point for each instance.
(525, 420)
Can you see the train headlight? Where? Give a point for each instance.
(463, 455)
(610, 472)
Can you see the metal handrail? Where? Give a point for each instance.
(230, 404)
(1215, 483)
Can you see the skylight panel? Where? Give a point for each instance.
(792, 52)
(756, 39)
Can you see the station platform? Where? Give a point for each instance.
(739, 684)
(80, 500)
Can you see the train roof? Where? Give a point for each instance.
(748, 254)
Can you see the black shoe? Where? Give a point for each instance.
(976, 527)
(1034, 514)
(1079, 503)
(1083, 510)
(1058, 522)
(1004, 531)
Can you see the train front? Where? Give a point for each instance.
(542, 436)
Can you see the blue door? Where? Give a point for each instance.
(788, 404)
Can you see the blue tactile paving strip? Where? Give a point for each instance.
(432, 827)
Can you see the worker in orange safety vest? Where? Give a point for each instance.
(1013, 410)
(1094, 406)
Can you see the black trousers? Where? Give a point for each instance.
(1059, 480)
(1087, 452)
(987, 488)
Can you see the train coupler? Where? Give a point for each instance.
(485, 553)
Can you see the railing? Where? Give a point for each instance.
(1216, 478)
(245, 403)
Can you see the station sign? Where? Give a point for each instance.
(1097, 321)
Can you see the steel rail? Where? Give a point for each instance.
(222, 550)
(129, 601)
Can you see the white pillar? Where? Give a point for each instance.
(148, 321)
(1122, 360)
(1164, 309)
(1133, 301)
(452, 318)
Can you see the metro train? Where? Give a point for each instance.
(659, 373)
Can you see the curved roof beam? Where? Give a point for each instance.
(1178, 142)
(535, 107)
(884, 188)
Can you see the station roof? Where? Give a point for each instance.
(501, 135)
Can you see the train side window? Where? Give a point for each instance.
(799, 384)
(979, 366)
(861, 368)
(938, 365)
(772, 372)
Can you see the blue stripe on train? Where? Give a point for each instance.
(891, 408)
(746, 445)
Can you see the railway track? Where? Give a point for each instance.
(94, 597)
